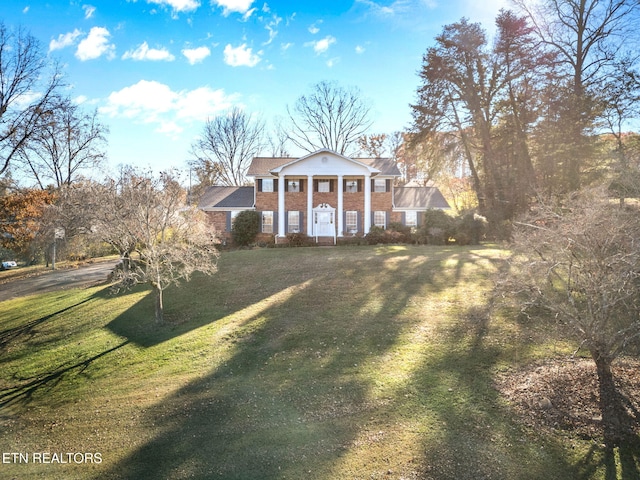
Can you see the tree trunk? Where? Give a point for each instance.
(611, 407)
(159, 304)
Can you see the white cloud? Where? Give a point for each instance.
(360, 49)
(152, 102)
(26, 9)
(240, 56)
(323, 45)
(95, 45)
(64, 40)
(178, 5)
(89, 10)
(196, 55)
(271, 27)
(202, 103)
(248, 14)
(400, 7)
(143, 52)
(313, 29)
(228, 6)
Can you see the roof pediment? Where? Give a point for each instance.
(325, 162)
(322, 162)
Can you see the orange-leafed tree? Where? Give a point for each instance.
(22, 219)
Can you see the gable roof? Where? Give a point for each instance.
(265, 165)
(418, 198)
(226, 198)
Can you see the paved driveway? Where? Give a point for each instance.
(56, 280)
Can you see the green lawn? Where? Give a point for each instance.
(319, 363)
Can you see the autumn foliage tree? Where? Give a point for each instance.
(22, 219)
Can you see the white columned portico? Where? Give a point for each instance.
(281, 207)
(310, 205)
(367, 203)
(340, 206)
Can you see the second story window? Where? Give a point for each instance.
(380, 185)
(293, 185)
(324, 185)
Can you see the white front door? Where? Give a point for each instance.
(324, 227)
(324, 221)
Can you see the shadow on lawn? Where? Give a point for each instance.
(291, 399)
(481, 437)
(23, 392)
(29, 329)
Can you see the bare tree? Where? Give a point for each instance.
(278, 140)
(330, 117)
(227, 146)
(28, 82)
(171, 241)
(579, 265)
(67, 142)
(160, 240)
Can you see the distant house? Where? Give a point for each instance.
(323, 194)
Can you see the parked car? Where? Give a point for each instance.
(8, 264)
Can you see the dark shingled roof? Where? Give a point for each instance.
(419, 198)
(230, 198)
(386, 165)
(263, 165)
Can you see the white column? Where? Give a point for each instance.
(340, 221)
(281, 210)
(367, 203)
(310, 205)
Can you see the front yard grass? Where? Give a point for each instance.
(320, 363)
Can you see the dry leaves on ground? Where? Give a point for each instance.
(563, 394)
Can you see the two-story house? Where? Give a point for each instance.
(323, 194)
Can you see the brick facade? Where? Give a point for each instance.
(296, 184)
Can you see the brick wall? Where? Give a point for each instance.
(351, 201)
(219, 222)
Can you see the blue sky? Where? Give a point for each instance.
(157, 69)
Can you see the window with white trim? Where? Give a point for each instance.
(380, 218)
(379, 185)
(411, 219)
(267, 222)
(267, 184)
(351, 222)
(324, 185)
(293, 221)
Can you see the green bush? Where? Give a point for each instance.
(246, 227)
(376, 235)
(398, 232)
(470, 229)
(437, 229)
